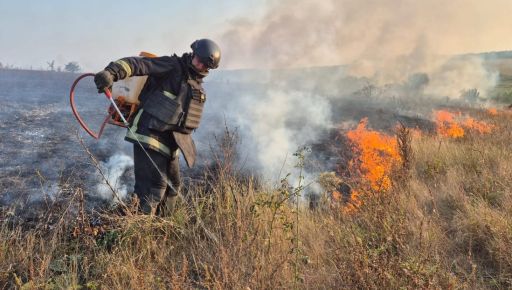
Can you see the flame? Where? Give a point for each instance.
(354, 203)
(336, 196)
(376, 155)
(479, 126)
(416, 132)
(447, 126)
(452, 125)
(492, 111)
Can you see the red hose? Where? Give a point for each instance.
(75, 112)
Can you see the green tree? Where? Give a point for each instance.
(72, 67)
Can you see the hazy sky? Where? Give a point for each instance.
(94, 32)
(252, 33)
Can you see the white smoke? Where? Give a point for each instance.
(385, 40)
(273, 123)
(312, 33)
(460, 74)
(415, 51)
(283, 121)
(113, 169)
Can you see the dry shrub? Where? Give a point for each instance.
(485, 235)
(446, 226)
(384, 246)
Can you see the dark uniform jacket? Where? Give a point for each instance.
(170, 82)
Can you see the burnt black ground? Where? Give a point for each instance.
(40, 149)
(42, 158)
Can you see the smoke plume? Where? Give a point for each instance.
(386, 40)
(384, 48)
(114, 168)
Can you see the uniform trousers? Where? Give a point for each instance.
(155, 187)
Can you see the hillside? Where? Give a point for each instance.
(444, 222)
(386, 188)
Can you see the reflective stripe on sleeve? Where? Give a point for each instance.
(126, 67)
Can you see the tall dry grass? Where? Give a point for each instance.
(446, 224)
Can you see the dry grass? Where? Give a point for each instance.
(446, 224)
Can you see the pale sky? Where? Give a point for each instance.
(95, 32)
(252, 33)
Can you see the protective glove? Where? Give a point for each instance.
(103, 80)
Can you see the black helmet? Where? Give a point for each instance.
(207, 51)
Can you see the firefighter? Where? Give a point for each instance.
(171, 105)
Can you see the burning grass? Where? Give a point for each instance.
(445, 226)
(375, 157)
(376, 153)
(453, 125)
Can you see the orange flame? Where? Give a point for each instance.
(479, 126)
(354, 202)
(336, 196)
(447, 126)
(492, 111)
(416, 133)
(376, 154)
(451, 125)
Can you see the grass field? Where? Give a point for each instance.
(444, 223)
(503, 90)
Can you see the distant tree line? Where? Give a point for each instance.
(72, 67)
